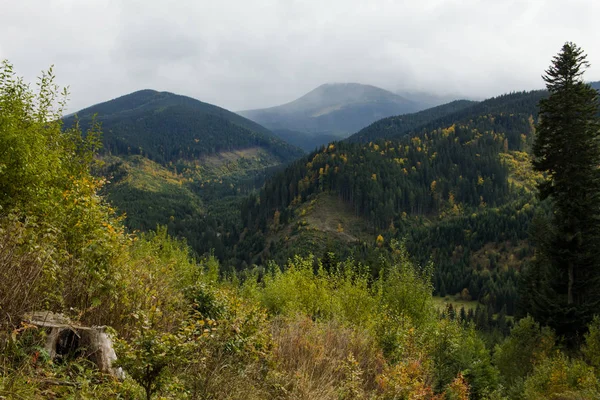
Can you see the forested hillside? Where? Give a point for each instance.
(446, 114)
(459, 194)
(166, 127)
(175, 161)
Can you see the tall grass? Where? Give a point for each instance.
(26, 271)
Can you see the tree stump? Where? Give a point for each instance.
(68, 339)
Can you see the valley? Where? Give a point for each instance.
(453, 183)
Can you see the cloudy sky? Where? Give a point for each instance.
(243, 54)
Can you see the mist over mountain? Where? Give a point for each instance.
(429, 99)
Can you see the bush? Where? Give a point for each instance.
(225, 357)
(527, 346)
(153, 274)
(455, 349)
(27, 270)
(46, 185)
(591, 348)
(150, 357)
(297, 289)
(560, 378)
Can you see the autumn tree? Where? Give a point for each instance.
(567, 151)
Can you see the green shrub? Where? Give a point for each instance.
(561, 378)
(225, 357)
(528, 345)
(591, 348)
(149, 357)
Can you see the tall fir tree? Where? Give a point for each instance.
(565, 282)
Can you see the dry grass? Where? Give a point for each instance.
(324, 360)
(442, 302)
(222, 158)
(329, 213)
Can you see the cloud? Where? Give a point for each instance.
(257, 53)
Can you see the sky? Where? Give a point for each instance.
(243, 54)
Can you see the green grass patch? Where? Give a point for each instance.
(442, 302)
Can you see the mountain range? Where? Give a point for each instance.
(453, 184)
(440, 253)
(179, 162)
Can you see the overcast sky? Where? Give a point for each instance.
(243, 54)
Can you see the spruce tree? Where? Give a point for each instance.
(567, 151)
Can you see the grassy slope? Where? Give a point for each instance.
(325, 223)
(240, 162)
(442, 302)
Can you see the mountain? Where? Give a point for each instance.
(334, 109)
(178, 162)
(166, 127)
(445, 180)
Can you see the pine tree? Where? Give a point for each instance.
(567, 151)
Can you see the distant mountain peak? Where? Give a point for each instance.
(329, 94)
(334, 108)
(348, 85)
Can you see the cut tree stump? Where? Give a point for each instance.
(65, 338)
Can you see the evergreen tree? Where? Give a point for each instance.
(567, 151)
